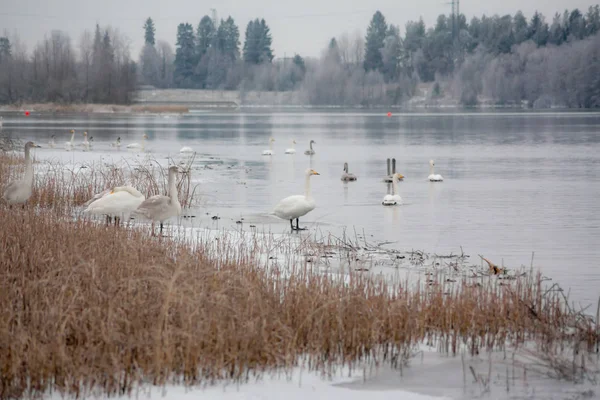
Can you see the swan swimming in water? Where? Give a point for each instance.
(186, 149)
(270, 151)
(115, 202)
(51, 143)
(394, 198)
(291, 150)
(69, 145)
(432, 176)
(160, 208)
(86, 144)
(294, 207)
(310, 151)
(137, 146)
(117, 144)
(18, 192)
(346, 176)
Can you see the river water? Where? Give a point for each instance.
(514, 182)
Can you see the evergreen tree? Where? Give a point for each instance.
(5, 48)
(228, 39)
(185, 56)
(556, 32)
(299, 62)
(206, 35)
(538, 30)
(257, 44)
(149, 31)
(376, 33)
(592, 19)
(520, 28)
(391, 54)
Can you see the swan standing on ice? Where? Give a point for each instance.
(310, 151)
(291, 150)
(186, 150)
(270, 151)
(18, 192)
(69, 145)
(117, 144)
(137, 146)
(394, 198)
(51, 143)
(85, 143)
(115, 202)
(346, 176)
(160, 208)
(432, 176)
(294, 207)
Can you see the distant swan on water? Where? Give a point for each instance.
(117, 144)
(138, 146)
(291, 150)
(186, 149)
(393, 199)
(310, 151)
(51, 143)
(69, 145)
(294, 207)
(432, 176)
(270, 151)
(346, 176)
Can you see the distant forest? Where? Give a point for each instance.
(503, 60)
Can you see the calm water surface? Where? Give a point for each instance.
(515, 183)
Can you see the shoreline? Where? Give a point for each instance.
(158, 108)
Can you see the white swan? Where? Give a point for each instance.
(291, 150)
(69, 145)
(115, 202)
(18, 192)
(270, 151)
(310, 151)
(186, 149)
(294, 207)
(137, 146)
(394, 198)
(432, 176)
(86, 143)
(117, 144)
(346, 176)
(160, 208)
(51, 143)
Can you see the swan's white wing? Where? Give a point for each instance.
(293, 207)
(11, 190)
(96, 197)
(115, 203)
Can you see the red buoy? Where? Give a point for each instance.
(27, 113)
(389, 114)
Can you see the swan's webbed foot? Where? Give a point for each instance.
(298, 225)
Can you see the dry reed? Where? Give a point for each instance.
(84, 306)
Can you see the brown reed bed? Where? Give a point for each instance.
(84, 306)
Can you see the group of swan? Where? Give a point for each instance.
(290, 150)
(87, 143)
(126, 200)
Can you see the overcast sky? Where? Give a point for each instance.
(302, 27)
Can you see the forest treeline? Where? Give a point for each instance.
(510, 59)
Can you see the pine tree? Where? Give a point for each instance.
(149, 31)
(376, 33)
(206, 35)
(185, 56)
(538, 29)
(257, 43)
(228, 39)
(5, 48)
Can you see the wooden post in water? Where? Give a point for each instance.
(393, 165)
(388, 167)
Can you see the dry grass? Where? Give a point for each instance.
(86, 306)
(62, 188)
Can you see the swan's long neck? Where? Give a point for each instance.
(395, 190)
(72, 137)
(270, 145)
(307, 187)
(431, 169)
(28, 167)
(346, 168)
(173, 188)
(311, 145)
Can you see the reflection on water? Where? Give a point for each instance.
(514, 182)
